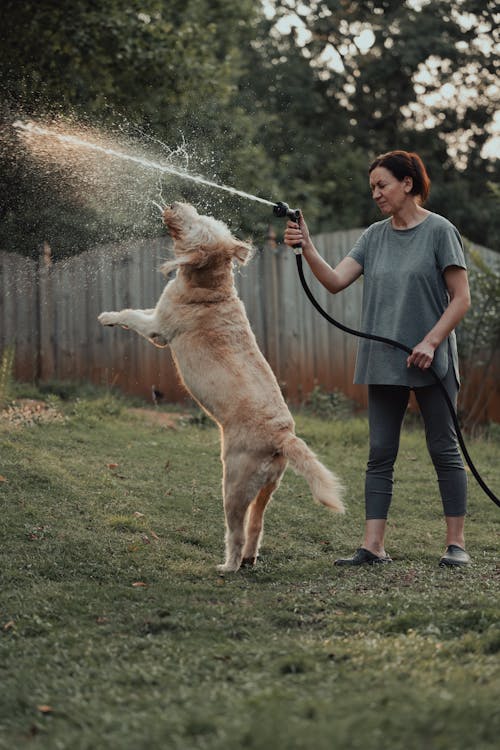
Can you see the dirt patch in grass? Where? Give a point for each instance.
(169, 420)
(27, 412)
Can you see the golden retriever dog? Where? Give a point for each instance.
(200, 316)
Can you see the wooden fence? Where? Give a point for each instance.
(48, 312)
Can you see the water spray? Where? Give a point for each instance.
(157, 205)
(71, 140)
(280, 209)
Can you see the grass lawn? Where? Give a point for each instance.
(116, 631)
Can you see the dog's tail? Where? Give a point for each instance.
(325, 486)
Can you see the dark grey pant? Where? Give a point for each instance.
(386, 408)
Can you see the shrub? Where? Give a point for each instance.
(328, 404)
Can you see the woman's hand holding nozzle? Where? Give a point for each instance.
(297, 233)
(293, 234)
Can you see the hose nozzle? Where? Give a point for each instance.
(283, 210)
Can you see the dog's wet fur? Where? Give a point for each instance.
(201, 318)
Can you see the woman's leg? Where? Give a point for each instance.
(443, 448)
(386, 408)
(374, 539)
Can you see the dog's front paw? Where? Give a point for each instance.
(227, 568)
(108, 318)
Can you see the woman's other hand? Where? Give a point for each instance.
(422, 356)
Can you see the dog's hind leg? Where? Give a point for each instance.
(255, 523)
(240, 485)
(235, 510)
(249, 481)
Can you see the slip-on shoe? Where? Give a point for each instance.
(363, 556)
(454, 556)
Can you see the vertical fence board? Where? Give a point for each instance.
(9, 284)
(93, 330)
(46, 316)
(18, 320)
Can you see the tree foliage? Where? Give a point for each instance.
(167, 69)
(419, 76)
(291, 115)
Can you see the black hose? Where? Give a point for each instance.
(406, 349)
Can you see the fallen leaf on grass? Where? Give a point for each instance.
(154, 535)
(37, 533)
(112, 467)
(410, 577)
(2, 479)
(139, 584)
(11, 625)
(138, 515)
(44, 709)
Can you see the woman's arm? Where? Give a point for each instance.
(457, 284)
(333, 279)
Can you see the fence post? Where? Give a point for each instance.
(46, 359)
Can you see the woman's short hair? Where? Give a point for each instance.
(406, 164)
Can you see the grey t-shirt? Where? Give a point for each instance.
(404, 296)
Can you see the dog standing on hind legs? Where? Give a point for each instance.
(201, 318)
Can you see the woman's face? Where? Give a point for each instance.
(389, 193)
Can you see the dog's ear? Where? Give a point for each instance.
(242, 252)
(196, 259)
(168, 267)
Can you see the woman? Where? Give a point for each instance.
(416, 292)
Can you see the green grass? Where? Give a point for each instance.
(117, 632)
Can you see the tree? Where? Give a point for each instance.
(414, 75)
(170, 68)
(287, 115)
(141, 57)
(303, 131)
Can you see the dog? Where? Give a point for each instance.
(200, 316)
